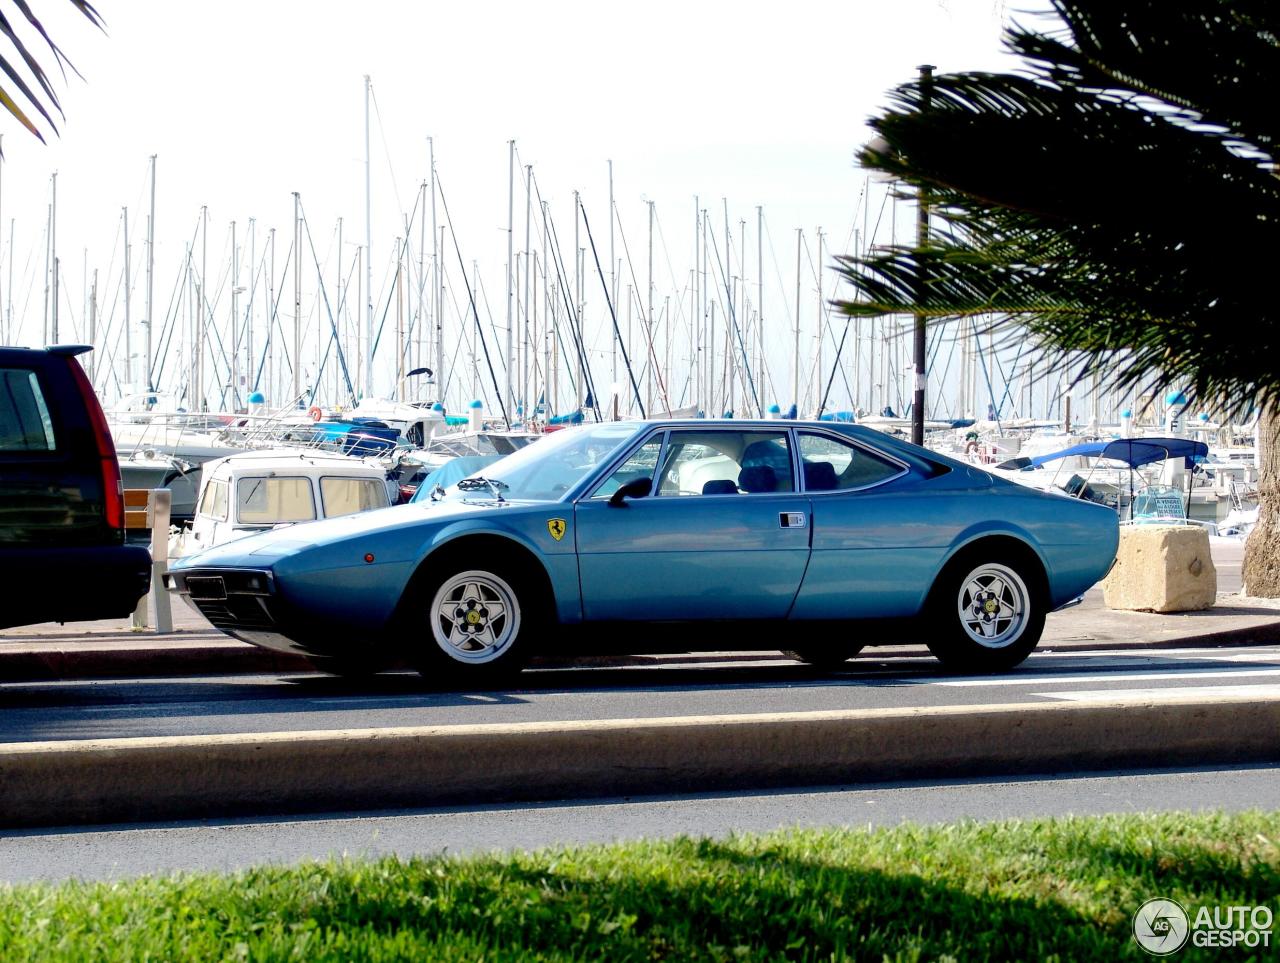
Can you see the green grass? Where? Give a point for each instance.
(1021, 890)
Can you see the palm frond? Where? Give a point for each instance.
(29, 73)
(1115, 202)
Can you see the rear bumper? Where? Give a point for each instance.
(72, 584)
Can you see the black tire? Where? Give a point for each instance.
(1004, 601)
(470, 623)
(829, 658)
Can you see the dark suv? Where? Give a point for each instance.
(62, 551)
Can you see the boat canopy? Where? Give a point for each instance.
(1132, 451)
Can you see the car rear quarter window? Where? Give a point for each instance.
(830, 464)
(25, 425)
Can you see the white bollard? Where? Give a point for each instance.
(159, 503)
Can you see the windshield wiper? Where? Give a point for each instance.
(480, 482)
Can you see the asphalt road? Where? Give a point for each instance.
(50, 711)
(115, 853)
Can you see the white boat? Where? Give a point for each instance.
(259, 490)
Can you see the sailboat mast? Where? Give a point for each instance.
(248, 331)
(648, 320)
(795, 367)
(53, 247)
(151, 264)
(511, 198)
(613, 297)
(760, 296)
(128, 325)
(525, 398)
(817, 381)
(199, 316)
(297, 300)
(235, 321)
(368, 248)
(436, 289)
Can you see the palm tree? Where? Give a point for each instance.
(1116, 200)
(25, 77)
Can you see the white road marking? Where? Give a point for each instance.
(1169, 692)
(1030, 679)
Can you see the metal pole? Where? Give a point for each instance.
(922, 238)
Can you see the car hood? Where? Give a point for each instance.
(267, 546)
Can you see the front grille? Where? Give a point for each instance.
(236, 612)
(207, 587)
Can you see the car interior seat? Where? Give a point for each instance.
(820, 476)
(719, 486)
(758, 478)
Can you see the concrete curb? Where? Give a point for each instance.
(181, 657)
(216, 655)
(122, 780)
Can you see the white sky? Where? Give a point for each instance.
(246, 101)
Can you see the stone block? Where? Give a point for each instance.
(1162, 568)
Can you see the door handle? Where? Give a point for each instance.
(791, 519)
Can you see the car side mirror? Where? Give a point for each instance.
(636, 488)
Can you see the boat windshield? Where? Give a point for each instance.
(554, 464)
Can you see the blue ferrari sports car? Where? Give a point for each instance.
(811, 538)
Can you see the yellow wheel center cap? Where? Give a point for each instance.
(473, 617)
(990, 606)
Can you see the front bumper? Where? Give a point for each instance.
(243, 603)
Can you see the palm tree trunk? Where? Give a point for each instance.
(1261, 568)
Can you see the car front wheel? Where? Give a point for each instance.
(987, 616)
(476, 622)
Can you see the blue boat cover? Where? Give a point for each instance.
(1133, 451)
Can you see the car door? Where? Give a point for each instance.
(722, 534)
(878, 539)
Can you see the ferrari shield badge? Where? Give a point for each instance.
(556, 527)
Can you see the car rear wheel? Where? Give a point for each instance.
(476, 622)
(988, 614)
(830, 657)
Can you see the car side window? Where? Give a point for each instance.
(25, 424)
(726, 463)
(830, 464)
(642, 463)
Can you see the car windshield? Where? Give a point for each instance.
(552, 465)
